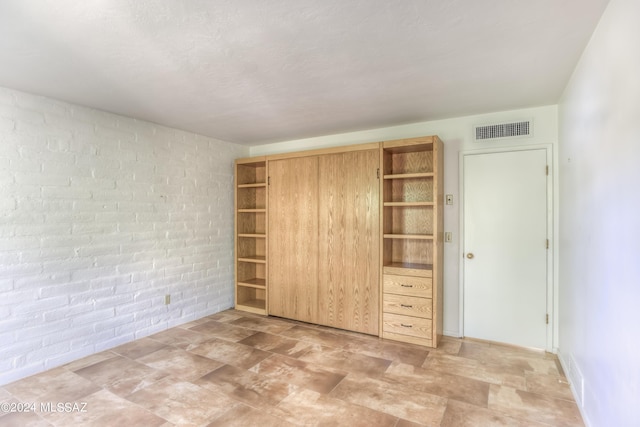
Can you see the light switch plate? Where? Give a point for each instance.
(447, 237)
(449, 199)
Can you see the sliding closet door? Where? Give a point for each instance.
(348, 288)
(293, 238)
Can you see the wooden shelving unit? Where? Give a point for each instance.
(251, 235)
(412, 232)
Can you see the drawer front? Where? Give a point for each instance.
(409, 306)
(407, 285)
(406, 325)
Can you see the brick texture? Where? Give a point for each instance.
(101, 216)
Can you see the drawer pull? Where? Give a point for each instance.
(406, 306)
(406, 326)
(406, 286)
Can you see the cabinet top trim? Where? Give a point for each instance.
(321, 151)
(251, 161)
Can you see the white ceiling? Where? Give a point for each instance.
(257, 71)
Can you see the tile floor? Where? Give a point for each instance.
(239, 369)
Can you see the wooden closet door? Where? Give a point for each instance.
(293, 238)
(348, 288)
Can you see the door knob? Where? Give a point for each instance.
(470, 255)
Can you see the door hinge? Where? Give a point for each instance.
(546, 170)
(547, 319)
(378, 173)
(268, 180)
(547, 244)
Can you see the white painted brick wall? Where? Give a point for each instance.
(100, 217)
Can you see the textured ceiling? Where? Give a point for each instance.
(252, 71)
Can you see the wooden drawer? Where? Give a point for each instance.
(406, 305)
(406, 325)
(407, 285)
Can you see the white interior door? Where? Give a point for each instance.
(505, 253)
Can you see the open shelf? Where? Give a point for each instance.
(255, 185)
(409, 236)
(254, 259)
(409, 175)
(257, 306)
(411, 231)
(255, 282)
(251, 235)
(408, 204)
(262, 210)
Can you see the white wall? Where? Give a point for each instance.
(600, 221)
(457, 136)
(100, 217)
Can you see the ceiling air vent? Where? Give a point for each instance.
(503, 130)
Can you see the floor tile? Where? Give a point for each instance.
(247, 387)
(228, 316)
(300, 373)
(180, 338)
(334, 358)
(242, 369)
(214, 329)
(459, 414)
(449, 345)
(182, 403)
(491, 372)
(138, 348)
(389, 350)
(245, 416)
(512, 358)
(438, 383)
(89, 360)
(56, 385)
(263, 324)
(550, 385)
(5, 396)
(406, 423)
(22, 419)
(277, 344)
(307, 407)
(105, 409)
(121, 375)
(231, 353)
(534, 407)
(402, 402)
(316, 336)
(179, 363)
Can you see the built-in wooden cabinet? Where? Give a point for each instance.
(293, 243)
(251, 235)
(348, 237)
(323, 245)
(412, 235)
(348, 246)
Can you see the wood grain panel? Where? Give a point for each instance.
(349, 241)
(407, 285)
(409, 220)
(408, 251)
(426, 341)
(251, 222)
(411, 190)
(293, 238)
(251, 197)
(412, 162)
(252, 172)
(408, 306)
(250, 247)
(406, 325)
(438, 253)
